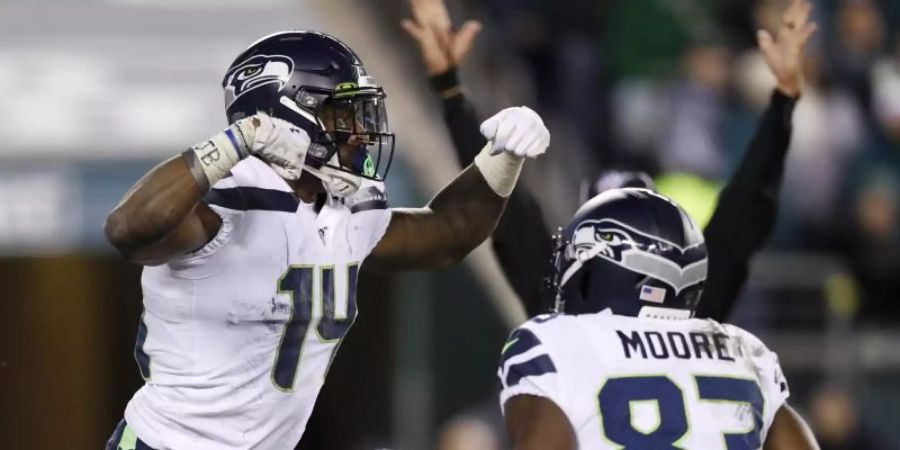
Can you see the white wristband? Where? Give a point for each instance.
(500, 171)
(218, 155)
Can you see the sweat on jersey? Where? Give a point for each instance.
(647, 383)
(236, 338)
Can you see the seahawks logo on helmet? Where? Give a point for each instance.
(636, 251)
(257, 71)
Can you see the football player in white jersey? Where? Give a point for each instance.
(253, 239)
(622, 364)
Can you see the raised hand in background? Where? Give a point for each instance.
(442, 47)
(784, 51)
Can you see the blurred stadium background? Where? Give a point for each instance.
(95, 92)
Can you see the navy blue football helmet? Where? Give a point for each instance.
(319, 84)
(631, 251)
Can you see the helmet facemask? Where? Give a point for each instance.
(354, 142)
(555, 271)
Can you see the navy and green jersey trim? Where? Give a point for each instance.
(519, 342)
(124, 438)
(141, 356)
(537, 366)
(247, 198)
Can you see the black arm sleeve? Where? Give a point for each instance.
(521, 241)
(745, 214)
(459, 116)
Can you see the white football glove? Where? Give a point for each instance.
(278, 142)
(282, 144)
(518, 131)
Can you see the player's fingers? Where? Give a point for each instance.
(808, 32)
(414, 30)
(541, 146)
(489, 127)
(442, 25)
(791, 16)
(266, 130)
(441, 17)
(803, 14)
(422, 10)
(807, 9)
(432, 13)
(530, 147)
(465, 37)
(765, 41)
(793, 10)
(517, 137)
(288, 160)
(274, 158)
(501, 139)
(532, 130)
(300, 144)
(441, 37)
(259, 121)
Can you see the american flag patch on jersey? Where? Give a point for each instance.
(653, 294)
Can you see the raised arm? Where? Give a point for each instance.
(163, 214)
(745, 214)
(443, 49)
(460, 115)
(464, 213)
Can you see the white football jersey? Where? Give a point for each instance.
(236, 338)
(642, 383)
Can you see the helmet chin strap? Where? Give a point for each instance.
(338, 183)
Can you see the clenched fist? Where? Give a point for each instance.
(281, 144)
(518, 131)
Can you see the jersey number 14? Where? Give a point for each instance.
(297, 284)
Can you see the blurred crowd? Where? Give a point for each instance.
(674, 88)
